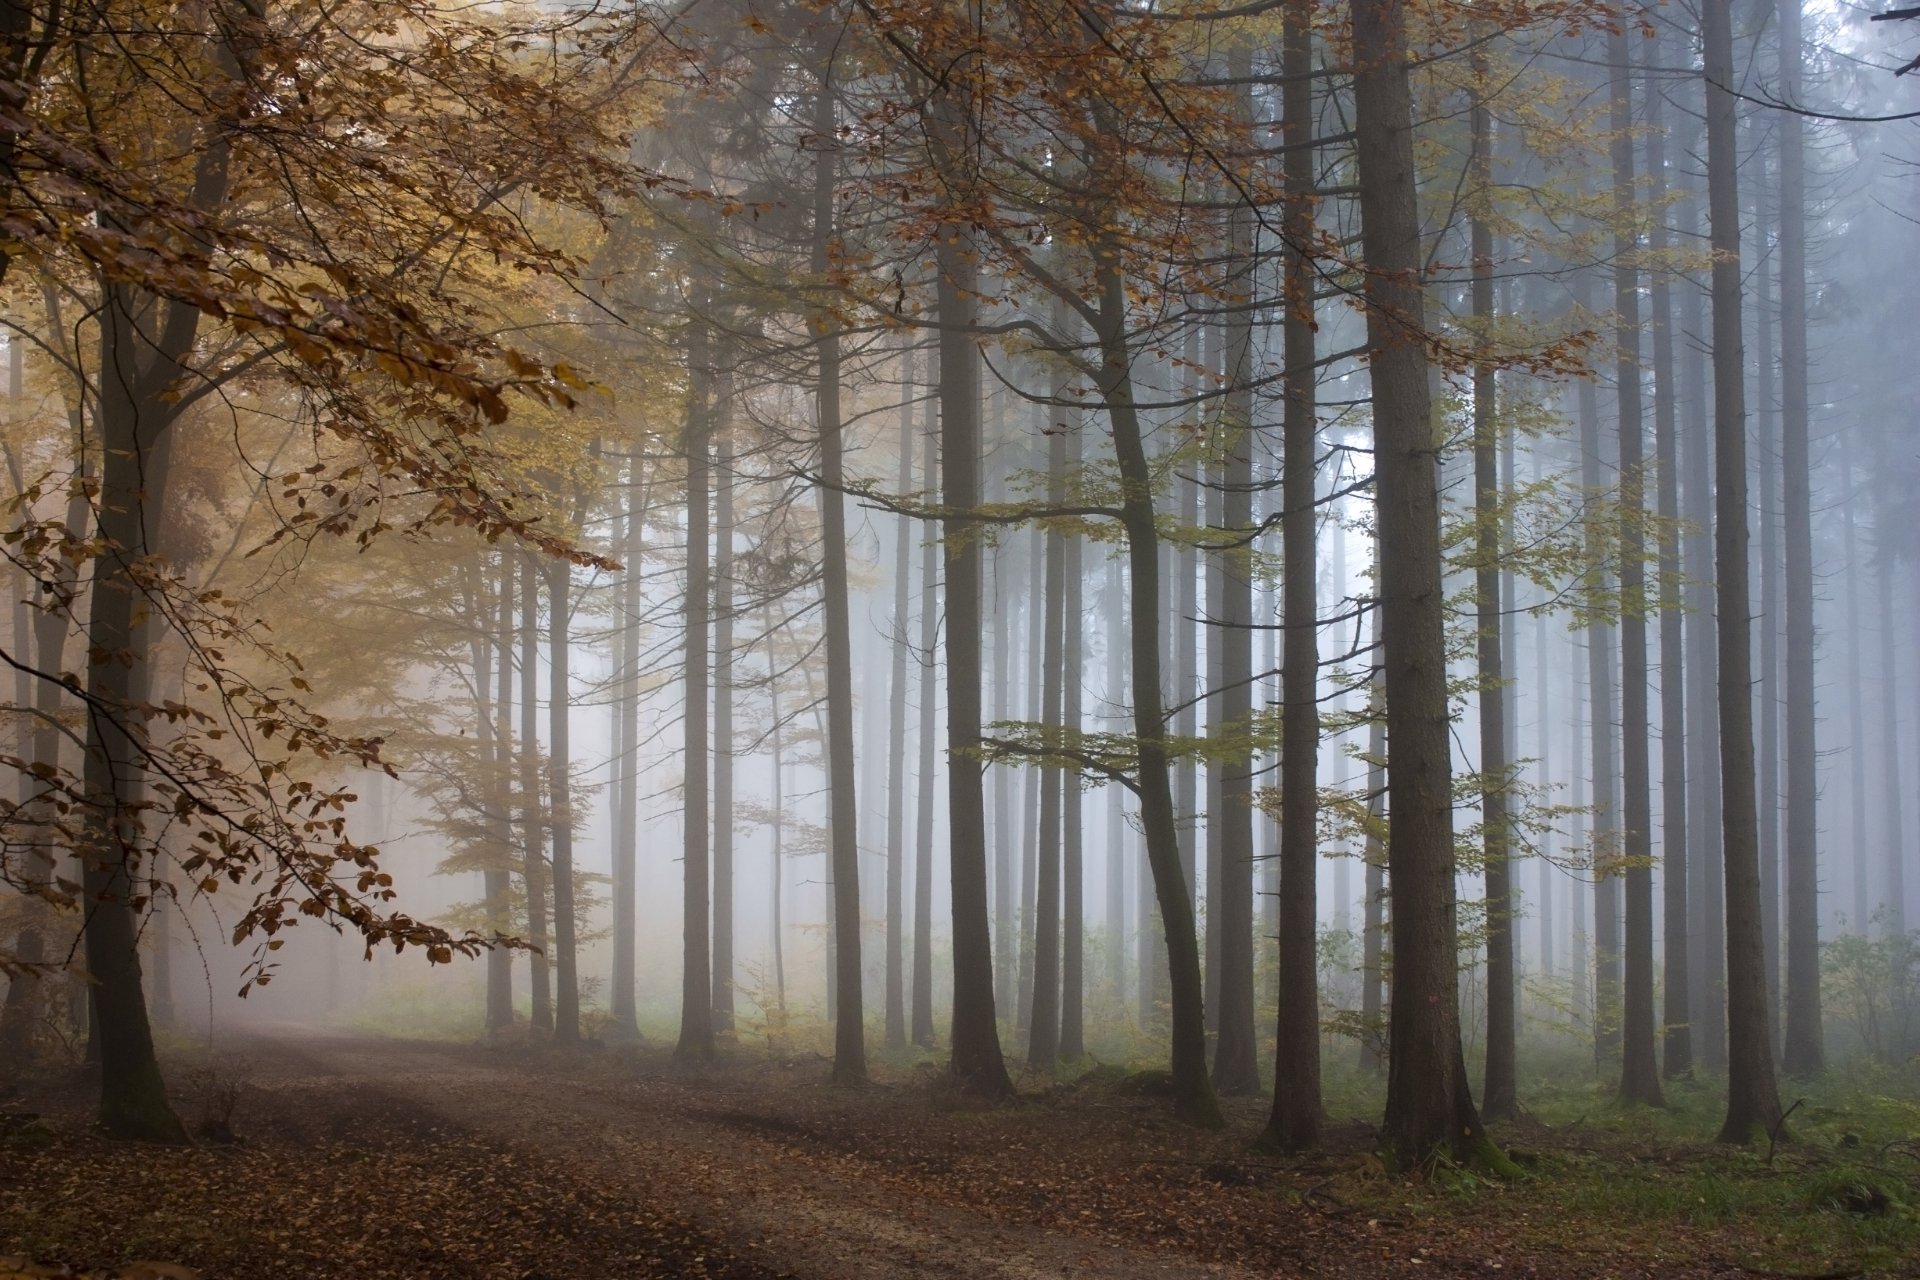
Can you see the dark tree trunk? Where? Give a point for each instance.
(977, 1061)
(1495, 769)
(1194, 1098)
(723, 609)
(1073, 942)
(1676, 1033)
(1639, 1064)
(1604, 835)
(1753, 1102)
(532, 817)
(566, 1003)
(1803, 1052)
(927, 727)
(622, 1025)
(1295, 1120)
(1236, 1061)
(849, 1044)
(496, 749)
(134, 425)
(1429, 1103)
(896, 990)
(1043, 1035)
(696, 981)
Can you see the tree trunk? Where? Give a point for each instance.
(496, 749)
(1073, 980)
(1295, 1120)
(723, 608)
(696, 980)
(1676, 1033)
(134, 445)
(1639, 1064)
(1604, 836)
(1194, 1098)
(896, 992)
(532, 817)
(1043, 1034)
(927, 728)
(623, 1026)
(566, 1004)
(1752, 1100)
(977, 1062)
(1803, 1052)
(1495, 769)
(1429, 1102)
(849, 1044)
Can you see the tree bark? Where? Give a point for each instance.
(696, 980)
(1294, 1123)
(532, 816)
(1495, 768)
(927, 727)
(566, 1003)
(1639, 1065)
(1803, 1051)
(1753, 1101)
(1429, 1102)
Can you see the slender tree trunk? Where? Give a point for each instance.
(1043, 1035)
(1032, 782)
(1676, 1033)
(896, 992)
(1194, 1098)
(1073, 978)
(1495, 769)
(927, 728)
(777, 766)
(1373, 916)
(1639, 1064)
(723, 790)
(532, 816)
(1893, 838)
(1429, 1102)
(977, 1061)
(566, 1004)
(496, 748)
(1766, 684)
(849, 1044)
(1706, 998)
(1605, 837)
(1803, 1052)
(1752, 1098)
(623, 1026)
(696, 979)
(1856, 714)
(1295, 1120)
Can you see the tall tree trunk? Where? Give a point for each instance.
(1706, 961)
(1194, 1098)
(1676, 1033)
(496, 748)
(1373, 915)
(1043, 1035)
(927, 727)
(135, 447)
(977, 1061)
(777, 767)
(1295, 1120)
(849, 1044)
(1856, 713)
(1893, 838)
(1604, 834)
(1752, 1098)
(623, 1026)
(1803, 1052)
(896, 992)
(566, 1003)
(1429, 1102)
(1033, 781)
(1073, 925)
(1766, 684)
(723, 610)
(532, 817)
(696, 979)
(1495, 769)
(1236, 1062)
(1639, 1064)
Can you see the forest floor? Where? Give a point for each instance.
(368, 1157)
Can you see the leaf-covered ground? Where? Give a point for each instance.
(379, 1158)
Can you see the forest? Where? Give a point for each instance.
(867, 638)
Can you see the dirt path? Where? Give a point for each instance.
(784, 1195)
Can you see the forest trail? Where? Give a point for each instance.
(780, 1194)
